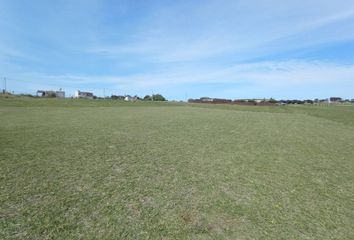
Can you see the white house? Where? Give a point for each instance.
(79, 94)
(130, 98)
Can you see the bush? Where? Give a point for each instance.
(158, 97)
(147, 98)
(272, 100)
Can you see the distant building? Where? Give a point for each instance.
(60, 94)
(53, 94)
(130, 98)
(335, 99)
(324, 100)
(79, 94)
(221, 100)
(206, 99)
(117, 97)
(209, 100)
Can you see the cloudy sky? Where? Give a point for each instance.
(181, 48)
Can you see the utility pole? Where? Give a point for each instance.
(152, 96)
(4, 89)
(104, 93)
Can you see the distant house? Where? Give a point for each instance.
(324, 100)
(117, 97)
(60, 94)
(335, 99)
(130, 98)
(209, 100)
(79, 94)
(50, 93)
(221, 100)
(206, 99)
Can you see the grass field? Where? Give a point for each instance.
(112, 170)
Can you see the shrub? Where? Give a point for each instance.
(158, 97)
(147, 98)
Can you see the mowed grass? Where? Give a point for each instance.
(113, 170)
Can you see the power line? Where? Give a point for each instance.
(4, 85)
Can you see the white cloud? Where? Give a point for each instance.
(189, 32)
(176, 45)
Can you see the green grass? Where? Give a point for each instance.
(113, 170)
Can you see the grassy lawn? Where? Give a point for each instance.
(114, 170)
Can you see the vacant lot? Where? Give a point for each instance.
(112, 170)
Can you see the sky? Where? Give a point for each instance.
(180, 48)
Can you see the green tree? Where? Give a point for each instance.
(158, 97)
(272, 100)
(147, 98)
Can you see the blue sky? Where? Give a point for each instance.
(181, 49)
